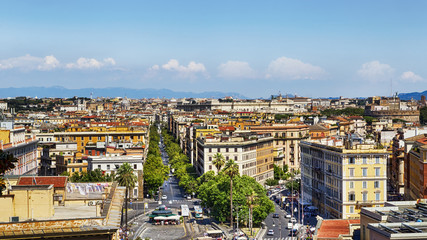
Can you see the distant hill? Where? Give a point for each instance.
(412, 95)
(61, 92)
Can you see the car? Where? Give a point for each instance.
(270, 232)
(293, 220)
(164, 197)
(189, 197)
(288, 216)
(276, 215)
(290, 225)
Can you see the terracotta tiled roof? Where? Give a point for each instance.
(57, 181)
(330, 229)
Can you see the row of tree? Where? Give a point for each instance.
(227, 193)
(155, 172)
(180, 164)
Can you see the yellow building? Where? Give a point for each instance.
(264, 159)
(27, 202)
(340, 180)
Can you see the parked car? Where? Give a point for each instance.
(189, 197)
(275, 215)
(270, 232)
(164, 197)
(288, 216)
(290, 225)
(293, 220)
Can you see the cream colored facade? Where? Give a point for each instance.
(27, 202)
(340, 181)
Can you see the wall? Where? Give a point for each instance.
(31, 203)
(6, 209)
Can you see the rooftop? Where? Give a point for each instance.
(334, 228)
(57, 181)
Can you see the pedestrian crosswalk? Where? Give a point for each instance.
(285, 238)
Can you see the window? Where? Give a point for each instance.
(351, 170)
(134, 166)
(377, 160)
(80, 169)
(364, 160)
(108, 167)
(351, 184)
(210, 167)
(226, 150)
(99, 166)
(99, 138)
(226, 158)
(365, 196)
(90, 138)
(210, 149)
(377, 172)
(82, 138)
(351, 160)
(377, 196)
(218, 150)
(364, 185)
(235, 149)
(235, 158)
(377, 184)
(351, 209)
(351, 197)
(364, 172)
(210, 158)
(73, 169)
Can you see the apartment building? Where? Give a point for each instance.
(340, 180)
(13, 140)
(286, 142)
(112, 162)
(88, 137)
(416, 167)
(55, 156)
(253, 154)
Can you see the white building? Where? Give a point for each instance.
(112, 162)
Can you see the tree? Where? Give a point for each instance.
(126, 178)
(218, 161)
(231, 169)
(278, 173)
(7, 162)
(271, 182)
(251, 199)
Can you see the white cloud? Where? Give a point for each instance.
(49, 63)
(376, 71)
(189, 71)
(235, 69)
(154, 68)
(193, 67)
(90, 63)
(411, 77)
(29, 62)
(293, 69)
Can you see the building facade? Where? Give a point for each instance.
(339, 181)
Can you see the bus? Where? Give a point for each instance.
(185, 211)
(198, 211)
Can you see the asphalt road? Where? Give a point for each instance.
(279, 225)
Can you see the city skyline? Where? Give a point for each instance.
(256, 49)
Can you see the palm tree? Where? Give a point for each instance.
(218, 161)
(126, 178)
(250, 201)
(231, 169)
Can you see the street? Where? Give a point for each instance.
(175, 197)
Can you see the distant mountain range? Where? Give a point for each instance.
(412, 95)
(61, 92)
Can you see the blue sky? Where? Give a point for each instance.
(256, 48)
